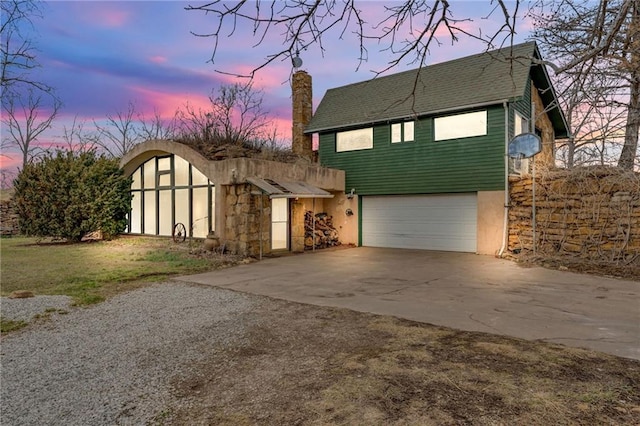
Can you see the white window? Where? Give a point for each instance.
(354, 140)
(460, 126)
(402, 132)
(279, 223)
(168, 190)
(520, 125)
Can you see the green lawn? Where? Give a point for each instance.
(91, 271)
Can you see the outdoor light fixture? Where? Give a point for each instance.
(296, 61)
(352, 193)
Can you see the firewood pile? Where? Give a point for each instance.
(319, 229)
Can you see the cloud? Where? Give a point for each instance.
(157, 59)
(111, 18)
(166, 104)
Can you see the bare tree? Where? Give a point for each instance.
(77, 139)
(156, 127)
(25, 118)
(195, 125)
(238, 113)
(594, 47)
(17, 50)
(407, 29)
(6, 178)
(596, 118)
(120, 133)
(235, 116)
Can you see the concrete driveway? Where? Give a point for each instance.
(463, 291)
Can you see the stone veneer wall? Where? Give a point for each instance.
(302, 107)
(242, 221)
(592, 213)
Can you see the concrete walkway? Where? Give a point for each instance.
(463, 291)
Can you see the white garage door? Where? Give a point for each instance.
(431, 222)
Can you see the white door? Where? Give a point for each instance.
(279, 224)
(445, 222)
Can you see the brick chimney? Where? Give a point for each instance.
(302, 95)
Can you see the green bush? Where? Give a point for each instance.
(68, 195)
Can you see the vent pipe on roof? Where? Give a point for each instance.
(302, 95)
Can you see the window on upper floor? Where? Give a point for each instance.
(402, 132)
(520, 125)
(354, 140)
(459, 126)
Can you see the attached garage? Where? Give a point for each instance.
(445, 222)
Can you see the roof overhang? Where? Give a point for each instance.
(285, 189)
(408, 117)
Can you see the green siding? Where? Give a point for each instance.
(523, 106)
(423, 166)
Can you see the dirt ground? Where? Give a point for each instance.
(315, 366)
(628, 271)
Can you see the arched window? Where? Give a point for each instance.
(168, 190)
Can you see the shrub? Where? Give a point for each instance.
(68, 195)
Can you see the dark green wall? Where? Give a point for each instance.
(523, 106)
(423, 166)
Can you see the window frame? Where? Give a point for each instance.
(346, 137)
(461, 122)
(402, 129)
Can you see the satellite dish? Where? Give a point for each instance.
(525, 145)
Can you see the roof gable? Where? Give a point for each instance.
(475, 80)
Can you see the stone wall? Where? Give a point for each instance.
(593, 213)
(8, 218)
(302, 97)
(243, 218)
(547, 135)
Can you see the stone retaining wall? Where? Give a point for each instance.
(593, 213)
(8, 218)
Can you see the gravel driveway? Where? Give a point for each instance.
(113, 363)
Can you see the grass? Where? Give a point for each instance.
(7, 325)
(92, 271)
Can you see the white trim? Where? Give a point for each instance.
(354, 140)
(460, 126)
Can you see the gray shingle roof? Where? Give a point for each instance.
(474, 80)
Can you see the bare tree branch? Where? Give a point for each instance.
(17, 51)
(407, 29)
(77, 139)
(595, 50)
(120, 134)
(26, 119)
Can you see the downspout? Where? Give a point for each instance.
(505, 229)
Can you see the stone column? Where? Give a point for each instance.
(302, 95)
(298, 209)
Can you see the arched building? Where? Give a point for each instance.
(253, 206)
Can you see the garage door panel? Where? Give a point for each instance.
(432, 222)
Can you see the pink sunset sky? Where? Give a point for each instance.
(102, 55)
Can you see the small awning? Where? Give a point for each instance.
(283, 189)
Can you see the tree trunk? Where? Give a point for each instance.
(629, 150)
(571, 150)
